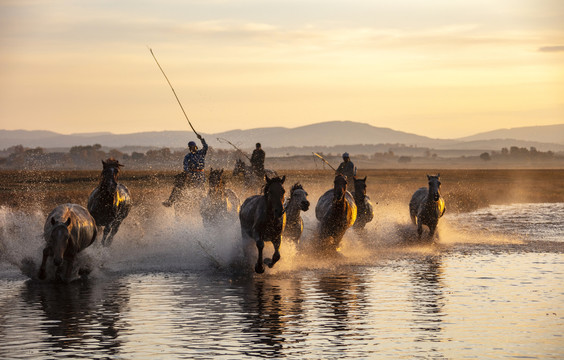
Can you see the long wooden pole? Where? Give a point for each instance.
(325, 161)
(174, 92)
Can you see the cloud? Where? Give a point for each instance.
(551, 48)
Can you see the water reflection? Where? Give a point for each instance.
(79, 316)
(428, 300)
(343, 294)
(270, 306)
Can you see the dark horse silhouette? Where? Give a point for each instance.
(263, 219)
(110, 202)
(336, 212)
(221, 204)
(297, 202)
(365, 211)
(68, 230)
(427, 206)
(250, 176)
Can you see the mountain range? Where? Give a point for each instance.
(549, 137)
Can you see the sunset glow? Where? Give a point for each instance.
(442, 69)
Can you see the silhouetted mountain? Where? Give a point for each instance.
(329, 134)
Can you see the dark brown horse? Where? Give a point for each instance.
(68, 230)
(110, 202)
(336, 212)
(221, 205)
(294, 205)
(263, 219)
(427, 206)
(365, 211)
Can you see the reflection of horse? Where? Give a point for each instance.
(221, 204)
(336, 212)
(263, 219)
(365, 212)
(296, 203)
(69, 229)
(427, 206)
(241, 168)
(110, 202)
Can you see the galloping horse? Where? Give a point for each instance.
(296, 203)
(263, 219)
(241, 168)
(221, 204)
(68, 230)
(365, 211)
(336, 212)
(427, 206)
(110, 202)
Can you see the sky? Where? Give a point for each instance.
(438, 68)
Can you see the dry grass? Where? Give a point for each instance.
(464, 190)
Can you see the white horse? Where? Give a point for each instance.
(427, 206)
(297, 202)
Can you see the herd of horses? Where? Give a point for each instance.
(265, 217)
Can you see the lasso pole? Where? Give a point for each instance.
(174, 92)
(325, 161)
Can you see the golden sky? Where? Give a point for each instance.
(439, 68)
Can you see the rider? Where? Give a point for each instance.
(346, 168)
(257, 160)
(193, 175)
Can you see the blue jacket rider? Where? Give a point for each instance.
(194, 163)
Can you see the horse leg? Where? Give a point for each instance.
(46, 252)
(107, 229)
(114, 229)
(259, 268)
(432, 229)
(276, 256)
(68, 270)
(419, 229)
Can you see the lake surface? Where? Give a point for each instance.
(491, 287)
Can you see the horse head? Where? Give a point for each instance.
(298, 193)
(239, 167)
(59, 238)
(339, 188)
(110, 171)
(434, 186)
(274, 194)
(360, 187)
(216, 180)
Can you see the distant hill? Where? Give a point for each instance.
(542, 134)
(326, 134)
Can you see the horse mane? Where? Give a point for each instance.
(296, 186)
(111, 162)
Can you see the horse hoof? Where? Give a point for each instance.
(259, 269)
(268, 262)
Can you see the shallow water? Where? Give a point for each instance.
(491, 287)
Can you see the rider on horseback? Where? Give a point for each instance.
(257, 161)
(193, 175)
(346, 168)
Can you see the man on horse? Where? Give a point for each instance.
(257, 160)
(193, 175)
(346, 168)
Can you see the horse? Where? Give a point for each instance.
(336, 212)
(110, 202)
(365, 211)
(221, 204)
(427, 206)
(297, 202)
(250, 176)
(68, 230)
(263, 219)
